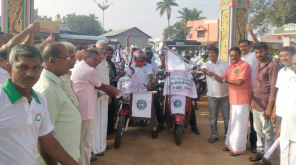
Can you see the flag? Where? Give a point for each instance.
(142, 105)
(174, 63)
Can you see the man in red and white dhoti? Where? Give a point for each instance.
(238, 76)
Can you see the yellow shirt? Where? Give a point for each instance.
(64, 115)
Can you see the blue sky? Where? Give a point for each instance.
(127, 13)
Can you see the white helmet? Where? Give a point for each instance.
(134, 47)
(174, 48)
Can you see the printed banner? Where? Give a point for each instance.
(178, 104)
(127, 86)
(180, 86)
(142, 105)
(174, 63)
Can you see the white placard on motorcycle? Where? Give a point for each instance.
(178, 104)
(142, 105)
(180, 86)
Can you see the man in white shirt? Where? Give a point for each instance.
(288, 125)
(218, 95)
(284, 74)
(250, 58)
(101, 113)
(24, 119)
(3, 61)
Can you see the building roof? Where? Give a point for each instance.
(82, 37)
(117, 32)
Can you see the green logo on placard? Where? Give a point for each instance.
(38, 117)
(141, 104)
(177, 103)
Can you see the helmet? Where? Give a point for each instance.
(148, 50)
(204, 53)
(134, 48)
(174, 48)
(139, 57)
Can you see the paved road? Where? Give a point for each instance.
(138, 148)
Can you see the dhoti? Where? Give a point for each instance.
(288, 152)
(100, 127)
(238, 128)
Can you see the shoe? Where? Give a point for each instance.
(160, 128)
(154, 134)
(195, 130)
(100, 154)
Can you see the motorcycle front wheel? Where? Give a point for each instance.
(119, 131)
(179, 134)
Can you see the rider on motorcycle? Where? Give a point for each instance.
(204, 59)
(142, 72)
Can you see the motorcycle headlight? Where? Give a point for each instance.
(126, 97)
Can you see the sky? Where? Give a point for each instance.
(127, 13)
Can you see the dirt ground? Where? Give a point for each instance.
(138, 148)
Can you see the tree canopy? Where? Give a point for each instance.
(271, 13)
(84, 24)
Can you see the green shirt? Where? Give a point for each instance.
(64, 115)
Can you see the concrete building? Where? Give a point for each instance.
(137, 37)
(204, 31)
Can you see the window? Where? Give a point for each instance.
(201, 34)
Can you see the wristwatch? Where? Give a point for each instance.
(224, 80)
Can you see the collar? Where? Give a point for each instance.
(14, 95)
(138, 66)
(51, 76)
(289, 68)
(238, 63)
(210, 62)
(3, 71)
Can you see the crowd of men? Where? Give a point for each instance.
(60, 98)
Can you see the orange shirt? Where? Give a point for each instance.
(239, 94)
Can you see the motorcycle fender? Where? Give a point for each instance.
(124, 112)
(179, 119)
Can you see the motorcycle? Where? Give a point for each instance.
(160, 84)
(178, 122)
(125, 114)
(199, 79)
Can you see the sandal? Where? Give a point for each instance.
(93, 159)
(233, 154)
(226, 149)
(255, 157)
(108, 147)
(212, 139)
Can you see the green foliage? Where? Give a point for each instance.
(189, 15)
(271, 13)
(84, 24)
(176, 30)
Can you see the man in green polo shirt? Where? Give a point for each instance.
(24, 118)
(63, 113)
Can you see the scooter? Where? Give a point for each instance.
(177, 123)
(160, 84)
(125, 114)
(199, 79)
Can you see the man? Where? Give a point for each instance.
(250, 58)
(142, 72)
(63, 113)
(85, 79)
(174, 49)
(101, 113)
(263, 101)
(204, 59)
(155, 69)
(287, 128)
(284, 74)
(217, 93)
(24, 118)
(238, 78)
(112, 104)
(192, 122)
(67, 84)
(3, 61)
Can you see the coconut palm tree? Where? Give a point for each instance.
(189, 15)
(196, 14)
(165, 5)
